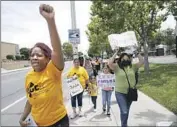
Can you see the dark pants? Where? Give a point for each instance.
(124, 106)
(79, 100)
(64, 122)
(98, 67)
(94, 98)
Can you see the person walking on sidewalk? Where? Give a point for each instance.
(88, 67)
(123, 67)
(106, 93)
(83, 78)
(97, 64)
(93, 91)
(43, 83)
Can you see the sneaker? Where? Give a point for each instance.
(73, 115)
(104, 110)
(94, 109)
(108, 113)
(80, 114)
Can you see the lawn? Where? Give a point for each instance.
(161, 84)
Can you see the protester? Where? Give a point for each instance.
(121, 89)
(83, 78)
(106, 92)
(81, 60)
(88, 67)
(95, 71)
(93, 90)
(97, 64)
(43, 84)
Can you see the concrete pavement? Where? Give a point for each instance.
(170, 59)
(144, 112)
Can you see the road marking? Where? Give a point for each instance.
(2, 110)
(17, 101)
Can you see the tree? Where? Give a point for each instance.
(25, 53)
(172, 8)
(120, 16)
(97, 38)
(67, 49)
(165, 37)
(169, 37)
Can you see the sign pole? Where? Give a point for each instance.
(73, 23)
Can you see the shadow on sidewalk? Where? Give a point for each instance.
(73, 121)
(100, 117)
(151, 115)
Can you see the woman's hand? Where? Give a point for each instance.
(24, 123)
(46, 11)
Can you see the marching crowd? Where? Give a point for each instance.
(43, 83)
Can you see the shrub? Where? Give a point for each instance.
(22, 57)
(10, 57)
(18, 57)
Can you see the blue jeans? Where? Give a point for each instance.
(106, 99)
(79, 100)
(124, 106)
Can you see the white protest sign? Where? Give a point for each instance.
(74, 86)
(122, 40)
(31, 121)
(106, 80)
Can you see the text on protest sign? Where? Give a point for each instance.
(74, 86)
(122, 40)
(106, 80)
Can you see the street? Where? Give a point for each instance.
(13, 95)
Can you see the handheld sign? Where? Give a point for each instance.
(31, 121)
(74, 86)
(106, 80)
(122, 40)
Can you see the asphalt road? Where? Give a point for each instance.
(13, 95)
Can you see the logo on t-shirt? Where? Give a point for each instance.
(32, 88)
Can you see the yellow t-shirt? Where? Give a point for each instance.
(93, 89)
(81, 73)
(44, 93)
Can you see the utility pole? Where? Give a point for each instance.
(73, 25)
(176, 34)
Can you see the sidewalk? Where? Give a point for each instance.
(144, 112)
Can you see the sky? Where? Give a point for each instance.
(22, 24)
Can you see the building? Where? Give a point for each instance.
(161, 50)
(9, 49)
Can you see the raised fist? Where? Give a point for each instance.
(46, 11)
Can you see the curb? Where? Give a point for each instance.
(9, 71)
(156, 102)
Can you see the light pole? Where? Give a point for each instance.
(176, 34)
(73, 25)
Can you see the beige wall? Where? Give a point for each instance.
(9, 49)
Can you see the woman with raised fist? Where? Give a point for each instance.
(43, 83)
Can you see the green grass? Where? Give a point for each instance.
(161, 84)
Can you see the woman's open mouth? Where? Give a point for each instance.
(35, 63)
